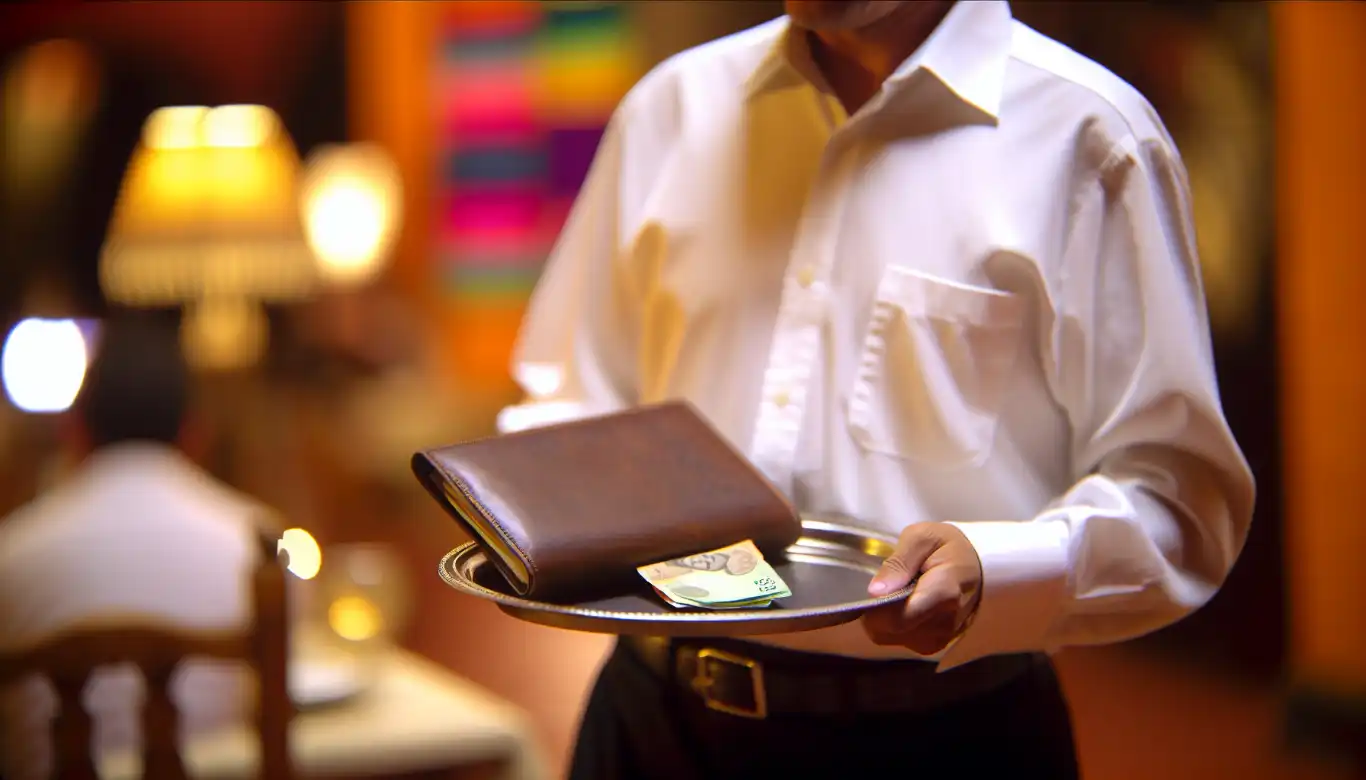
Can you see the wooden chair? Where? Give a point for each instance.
(69, 660)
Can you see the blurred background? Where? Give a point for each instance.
(344, 208)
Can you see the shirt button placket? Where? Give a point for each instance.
(796, 336)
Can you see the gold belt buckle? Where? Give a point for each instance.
(703, 682)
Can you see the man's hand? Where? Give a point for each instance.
(944, 598)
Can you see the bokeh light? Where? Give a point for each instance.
(305, 557)
(351, 204)
(355, 618)
(43, 365)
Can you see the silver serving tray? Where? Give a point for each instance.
(828, 570)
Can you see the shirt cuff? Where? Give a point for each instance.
(1024, 578)
(537, 414)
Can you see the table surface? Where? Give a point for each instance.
(414, 717)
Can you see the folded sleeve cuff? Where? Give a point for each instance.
(1024, 577)
(536, 414)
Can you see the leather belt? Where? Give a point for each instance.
(749, 680)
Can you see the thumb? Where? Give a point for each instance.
(897, 571)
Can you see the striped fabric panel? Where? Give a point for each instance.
(523, 92)
(511, 283)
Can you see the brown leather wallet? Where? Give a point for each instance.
(569, 511)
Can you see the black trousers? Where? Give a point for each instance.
(638, 726)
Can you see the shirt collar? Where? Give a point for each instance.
(139, 457)
(967, 53)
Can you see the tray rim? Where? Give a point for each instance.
(518, 606)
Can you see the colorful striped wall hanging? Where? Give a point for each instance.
(524, 90)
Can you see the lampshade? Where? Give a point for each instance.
(208, 209)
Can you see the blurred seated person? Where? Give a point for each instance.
(138, 533)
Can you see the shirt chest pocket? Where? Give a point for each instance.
(936, 363)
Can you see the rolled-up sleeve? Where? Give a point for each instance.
(1163, 496)
(574, 355)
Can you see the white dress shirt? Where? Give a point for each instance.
(975, 300)
(137, 531)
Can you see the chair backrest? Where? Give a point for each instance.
(69, 659)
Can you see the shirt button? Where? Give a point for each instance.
(781, 399)
(806, 276)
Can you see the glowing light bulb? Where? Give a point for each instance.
(174, 127)
(239, 127)
(351, 202)
(43, 365)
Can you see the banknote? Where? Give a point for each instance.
(733, 577)
(688, 604)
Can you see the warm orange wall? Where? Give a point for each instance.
(389, 52)
(1320, 61)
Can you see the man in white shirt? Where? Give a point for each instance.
(137, 533)
(936, 273)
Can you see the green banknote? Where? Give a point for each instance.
(734, 577)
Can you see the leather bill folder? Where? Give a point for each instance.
(569, 511)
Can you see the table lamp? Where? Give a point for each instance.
(208, 218)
